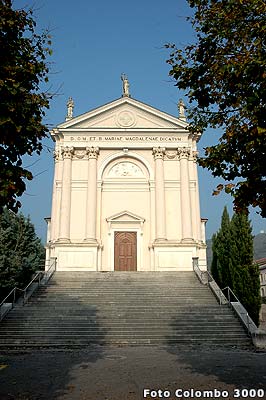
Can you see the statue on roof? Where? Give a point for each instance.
(125, 86)
(70, 108)
(181, 109)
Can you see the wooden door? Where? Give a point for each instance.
(125, 251)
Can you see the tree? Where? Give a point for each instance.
(221, 265)
(245, 280)
(21, 251)
(233, 264)
(22, 104)
(214, 264)
(223, 74)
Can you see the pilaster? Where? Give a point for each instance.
(158, 154)
(56, 155)
(184, 154)
(65, 209)
(197, 197)
(91, 207)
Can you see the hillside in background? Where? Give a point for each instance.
(259, 245)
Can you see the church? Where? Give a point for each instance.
(125, 190)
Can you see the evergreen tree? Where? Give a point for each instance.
(21, 251)
(221, 266)
(232, 263)
(214, 264)
(245, 280)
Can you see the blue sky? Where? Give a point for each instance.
(93, 43)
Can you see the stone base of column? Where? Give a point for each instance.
(188, 240)
(90, 240)
(160, 240)
(63, 240)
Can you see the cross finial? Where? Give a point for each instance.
(124, 79)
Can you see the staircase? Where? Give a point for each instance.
(78, 309)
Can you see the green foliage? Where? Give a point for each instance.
(242, 239)
(214, 265)
(232, 263)
(222, 252)
(21, 251)
(22, 104)
(246, 281)
(223, 74)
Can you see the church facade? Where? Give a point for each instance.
(125, 192)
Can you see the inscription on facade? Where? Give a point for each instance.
(125, 139)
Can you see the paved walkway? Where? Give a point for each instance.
(120, 373)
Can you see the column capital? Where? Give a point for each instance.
(56, 155)
(183, 152)
(195, 156)
(92, 152)
(67, 152)
(158, 152)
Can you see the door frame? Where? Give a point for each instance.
(135, 255)
(112, 245)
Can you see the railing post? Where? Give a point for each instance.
(248, 324)
(14, 297)
(195, 262)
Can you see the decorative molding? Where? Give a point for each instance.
(67, 152)
(125, 218)
(125, 169)
(92, 152)
(158, 152)
(125, 119)
(130, 217)
(80, 154)
(171, 154)
(183, 152)
(130, 154)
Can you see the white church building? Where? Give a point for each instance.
(125, 191)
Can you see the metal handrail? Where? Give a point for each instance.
(240, 311)
(201, 274)
(251, 326)
(42, 276)
(50, 271)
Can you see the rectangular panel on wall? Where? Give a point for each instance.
(80, 170)
(77, 259)
(78, 213)
(173, 259)
(173, 215)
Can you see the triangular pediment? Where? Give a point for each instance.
(125, 216)
(124, 113)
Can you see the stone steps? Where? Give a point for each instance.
(78, 309)
(39, 336)
(123, 327)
